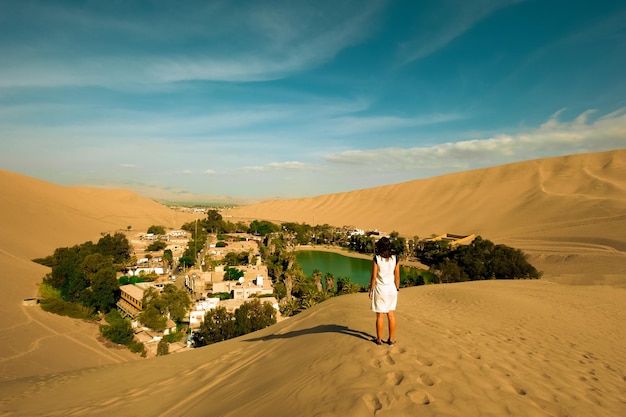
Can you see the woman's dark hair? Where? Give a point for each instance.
(383, 247)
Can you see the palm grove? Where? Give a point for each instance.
(83, 278)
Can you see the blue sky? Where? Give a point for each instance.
(198, 100)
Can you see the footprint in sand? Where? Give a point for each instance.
(427, 380)
(420, 397)
(372, 402)
(385, 360)
(395, 378)
(377, 402)
(424, 361)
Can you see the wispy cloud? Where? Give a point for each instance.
(263, 41)
(454, 18)
(357, 125)
(281, 166)
(554, 137)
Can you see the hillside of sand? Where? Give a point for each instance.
(36, 217)
(567, 213)
(521, 348)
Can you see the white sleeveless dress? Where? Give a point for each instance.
(385, 294)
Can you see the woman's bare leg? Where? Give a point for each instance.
(392, 326)
(379, 326)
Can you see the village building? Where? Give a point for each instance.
(255, 282)
(244, 289)
(130, 302)
(199, 310)
(453, 239)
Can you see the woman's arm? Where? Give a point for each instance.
(396, 274)
(374, 274)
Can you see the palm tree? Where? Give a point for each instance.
(286, 260)
(289, 308)
(330, 281)
(317, 277)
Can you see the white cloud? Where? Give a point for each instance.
(280, 166)
(552, 138)
(209, 171)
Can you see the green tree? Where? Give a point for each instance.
(254, 315)
(449, 271)
(163, 348)
(262, 227)
(154, 311)
(118, 330)
(431, 252)
(346, 286)
(157, 307)
(92, 283)
(398, 244)
(176, 301)
(116, 247)
(218, 325)
(104, 290)
(236, 258)
(232, 274)
(186, 261)
(76, 287)
(66, 266)
(214, 223)
(168, 258)
(289, 308)
(510, 263)
(411, 276)
(362, 243)
(302, 231)
(156, 230)
(156, 246)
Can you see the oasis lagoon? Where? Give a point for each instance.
(358, 270)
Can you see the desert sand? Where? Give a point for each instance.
(549, 347)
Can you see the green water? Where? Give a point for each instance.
(358, 270)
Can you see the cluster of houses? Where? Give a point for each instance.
(201, 285)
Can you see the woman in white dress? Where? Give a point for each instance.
(384, 289)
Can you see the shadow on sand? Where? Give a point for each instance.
(322, 328)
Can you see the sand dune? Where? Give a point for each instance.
(565, 212)
(522, 348)
(38, 217)
(473, 349)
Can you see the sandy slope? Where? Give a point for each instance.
(38, 217)
(526, 348)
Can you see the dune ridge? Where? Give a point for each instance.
(516, 348)
(558, 210)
